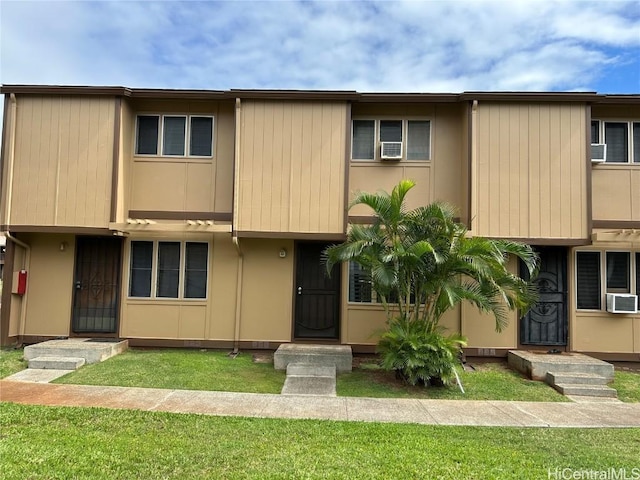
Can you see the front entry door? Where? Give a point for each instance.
(317, 305)
(546, 322)
(96, 285)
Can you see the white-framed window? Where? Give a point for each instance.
(622, 138)
(168, 269)
(174, 135)
(413, 135)
(599, 273)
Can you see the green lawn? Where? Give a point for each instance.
(181, 369)
(11, 361)
(60, 443)
(490, 381)
(628, 385)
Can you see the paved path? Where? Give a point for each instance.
(430, 412)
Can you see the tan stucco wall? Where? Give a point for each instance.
(49, 285)
(16, 300)
(63, 161)
(267, 290)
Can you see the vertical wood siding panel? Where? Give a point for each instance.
(493, 206)
(224, 142)
(287, 159)
(517, 165)
(21, 169)
(295, 167)
(554, 205)
(533, 190)
(635, 196)
(266, 162)
(247, 137)
(544, 192)
(63, 133)
(277, 173)
(523, 174)
(483, 168)
(325, 202)
(306, 173)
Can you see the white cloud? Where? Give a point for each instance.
(366, 46)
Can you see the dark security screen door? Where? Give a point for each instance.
(546, 322)
(96, 285)
(317, 305)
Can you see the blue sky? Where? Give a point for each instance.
(411, 46)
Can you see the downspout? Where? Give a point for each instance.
(234, 226)
(26, 259)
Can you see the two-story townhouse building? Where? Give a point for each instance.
(197, 218)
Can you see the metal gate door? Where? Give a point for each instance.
(96, 285)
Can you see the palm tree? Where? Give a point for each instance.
(422, 263)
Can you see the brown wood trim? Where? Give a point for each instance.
(616, 224)
(3, 140)
(557, 242)
(614, 356)
(7, 286)
(347, 163)
(589, 171)
(409, 98)
(57, 229)
(469, 162)
(116, 158)
(179, 94)
(330, 237)
(166, 215)
(362, 219)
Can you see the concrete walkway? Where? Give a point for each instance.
(429, 412)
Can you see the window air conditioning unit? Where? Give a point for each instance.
(598, 152)
(622, 303)
(391, 150)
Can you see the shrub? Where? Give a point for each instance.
(418, 354)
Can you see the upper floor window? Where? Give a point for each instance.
(611, 273)
(168, 269)
(622, 140)
(374, 139)
(174, 135)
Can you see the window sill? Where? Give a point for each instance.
(390, 163)
(171, 159)
(166, 301)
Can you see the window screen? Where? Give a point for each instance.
(595, 131)
(196, 270)
(168, 269)
(588, 280)
(636, 142)
(618, 272)
(140, 271)
(359, 284)
(173, 135)
(418, 138)
(363, 139)
(616, 136)
(391, 130)
(201, 136)
(147, 135)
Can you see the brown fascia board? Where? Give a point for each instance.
(409, 97)
(620, 99)
(64, 90)
(531, 96)
(178, 94)
(345, 95)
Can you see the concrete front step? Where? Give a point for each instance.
(535, 365)
(92, 350)
(586, 390)
(575, 378)
(338, 356)
(56, 363)
(310, 370)
(310, 379)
